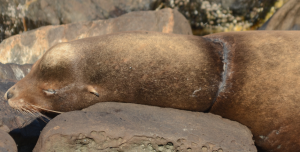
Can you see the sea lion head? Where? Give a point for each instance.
(51, 84)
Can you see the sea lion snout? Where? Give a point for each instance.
(9, 95)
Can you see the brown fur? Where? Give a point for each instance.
(257, 85)
(263, 86)
(140, 67)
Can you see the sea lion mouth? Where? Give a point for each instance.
(27, 109)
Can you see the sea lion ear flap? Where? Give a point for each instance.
(92, 90)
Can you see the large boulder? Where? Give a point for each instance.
(131, 127)
(19, 15)
(61, 11)
(7, 144)
(28, 47)
(287, 18)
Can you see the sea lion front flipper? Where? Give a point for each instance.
(92, 90)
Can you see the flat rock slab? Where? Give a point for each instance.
(113, 126)
(29, 46)
(7, 144)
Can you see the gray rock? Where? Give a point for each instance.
(7, 144)
(62, 11)
(14, 71)
(28, 47)
(20, 15)
(131, 127)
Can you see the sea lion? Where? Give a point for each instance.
(139, 67)
(262, 86)
(250, 77)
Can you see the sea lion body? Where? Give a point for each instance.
(249, 77)
(132, 67)
(262, 89)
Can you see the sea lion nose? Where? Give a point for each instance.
(9, 95)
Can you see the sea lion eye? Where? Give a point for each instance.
(49, 92)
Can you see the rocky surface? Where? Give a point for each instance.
(21, 15)
(57, 11)
(212, 16)
(29, 46)
(131, 127)
(206, 16)
(14, 71)
(7, 144)
(287, 18)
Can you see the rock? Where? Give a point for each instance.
(30, 46)
(14, 71)
(7, 144)
(58, 11)
(131, 127)
(213, 16)
(287, 18)
(20, 15)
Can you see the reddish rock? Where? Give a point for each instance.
(287, 18)
(131, 127)
(7, 144)
(30, 46)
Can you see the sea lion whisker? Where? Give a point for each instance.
(34, 111)
(26, 112)
(22, 112)
(46, 109)
(29, 112)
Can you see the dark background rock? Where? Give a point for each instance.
(7, 144)
(21, 15)
(17, 16)
(57, 12)
(212, 16)
(287, 18)
(111, 126)
(29, 46)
